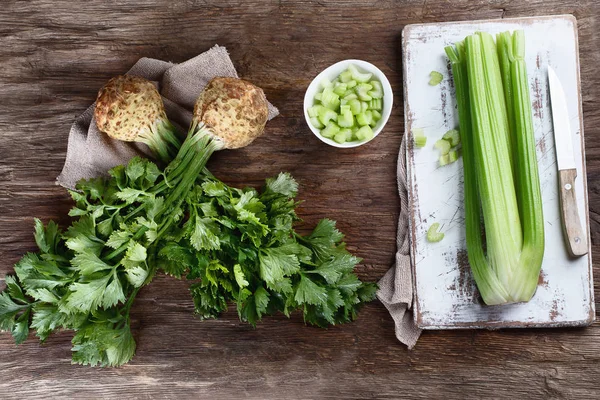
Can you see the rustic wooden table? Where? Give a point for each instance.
(56, 54)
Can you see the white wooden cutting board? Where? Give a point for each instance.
(445, 293)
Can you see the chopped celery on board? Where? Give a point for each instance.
(348, 107)
(433, 235)
(435, 78)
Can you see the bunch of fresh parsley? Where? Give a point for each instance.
(235, 245)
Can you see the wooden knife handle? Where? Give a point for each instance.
(575, 235)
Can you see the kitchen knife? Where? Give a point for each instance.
(575, 236)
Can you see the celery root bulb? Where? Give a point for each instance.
(234, 110)
(129, 108)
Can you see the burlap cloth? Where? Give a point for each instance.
(91, 153)
(395, 288)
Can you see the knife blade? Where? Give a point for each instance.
(575, 236)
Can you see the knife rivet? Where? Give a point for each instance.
(568, 186)
(577, 240)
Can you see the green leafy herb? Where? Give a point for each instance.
(235, 245)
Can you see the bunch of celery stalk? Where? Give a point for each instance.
(501, 179)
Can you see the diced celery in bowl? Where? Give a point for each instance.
(348, 104)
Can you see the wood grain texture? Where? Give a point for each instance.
(574, 234)
(55, 54)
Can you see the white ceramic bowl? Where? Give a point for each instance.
(331, 73)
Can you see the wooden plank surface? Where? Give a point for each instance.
(445, 293)
(55, 54)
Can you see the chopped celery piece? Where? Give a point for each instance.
(343, 136)
(343, 102)
(351, 96)
(314, 110)
(432, 233)
(345, 119)
(435, 78)
(347, 132)
(376, 104)
(364, 118)
(344, 108)
(346, 76)
(355, 106)
(372, 122)
(326, 83)
(362, 90)
(330, 130)
(444, 160)
(340, 89)
(376, 115)
(452, 136)
(358, 76)
(318, 96)
(453, 155)
(364, 106)
(325, 115)
(351, 84)
(443, 146)
(377, 92)
(364, 133)
(420, 140)
(335, 81)
(330, 99)
(316, 123)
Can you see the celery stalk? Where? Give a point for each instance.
(529, 194)
(487, 282)
(510, 203)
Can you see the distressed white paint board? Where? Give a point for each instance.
(445, 293)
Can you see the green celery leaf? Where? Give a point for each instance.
(281, 286)
(214, 189)
(284, 185)
(47, 318)
(103, 343)
(151, 174)
(348, 283)
(175, 259)
(205, 234)
(341, 262)
(261, 300)
(14, 290)
(81, 236)
(130, 195)
(136, 275)
(8, 311)
(135, 168)
(94, 188)
(154, 206)
(118, 238)
(277, 262)
(105, 227)
(323, 239)
(239, 276)
(308, 292)
(136, 253)
(85, 297)
(20, 330)
(43, 295)
(209, 302)
(113, 294)
(367, 291)
(88, 263)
